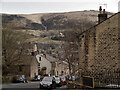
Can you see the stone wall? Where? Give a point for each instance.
(99, 51)
(33, 67)
(61, 67)
(27, 67)
(107, 43)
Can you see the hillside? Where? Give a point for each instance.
(19, 22)
(48, 30)
(42, 27)
(48, 21)
(58, 21)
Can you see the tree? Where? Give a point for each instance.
(69, 48)
(13, 48)
(72, 43)
(80, 25)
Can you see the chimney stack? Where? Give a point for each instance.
(44, 53)
(102, 16)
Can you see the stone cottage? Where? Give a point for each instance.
(61, 68)
(47, 61)
(27, 67)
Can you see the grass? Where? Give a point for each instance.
(35, 36)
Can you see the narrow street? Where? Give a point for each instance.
(34, 85)
(22, 85)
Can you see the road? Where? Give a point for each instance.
(34, 84)
(22, 85)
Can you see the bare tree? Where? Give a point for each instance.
(71, 44)
(13, 48)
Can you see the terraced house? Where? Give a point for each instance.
(99, 50)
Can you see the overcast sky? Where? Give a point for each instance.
(49, 6)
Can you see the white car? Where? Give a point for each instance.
(36, 78)
(113, 86)
(58, 81)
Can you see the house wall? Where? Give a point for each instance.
(99, 51)
(25, 70)
(107, 44)
(119, 38)
(61, 67)
(30, 66)
(44, 63)
(53, 65)
(27, 67)
(33, 67)
(82, 52)
(91, 46)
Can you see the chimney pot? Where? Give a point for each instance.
(100, 9)
(104, 11)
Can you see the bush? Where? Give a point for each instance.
(44, 68)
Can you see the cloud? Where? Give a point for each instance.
(49, 7)
(49, 1)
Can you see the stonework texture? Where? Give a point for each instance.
(99, 51)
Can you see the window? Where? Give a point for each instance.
(38, 64)
(32, 53)
(20, 68)
(62, 72)
(39, 58)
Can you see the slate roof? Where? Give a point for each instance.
(48, 57)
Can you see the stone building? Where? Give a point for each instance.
(27, 67)
(99, 50)
(47, 61)
(61, 68)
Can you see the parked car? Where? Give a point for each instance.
(63, 79)
(66, 76)
(48, 82)
(53, 76)
(112, 86)
(58, 81)
(37, 78)
(73, 77)
(21, 78)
